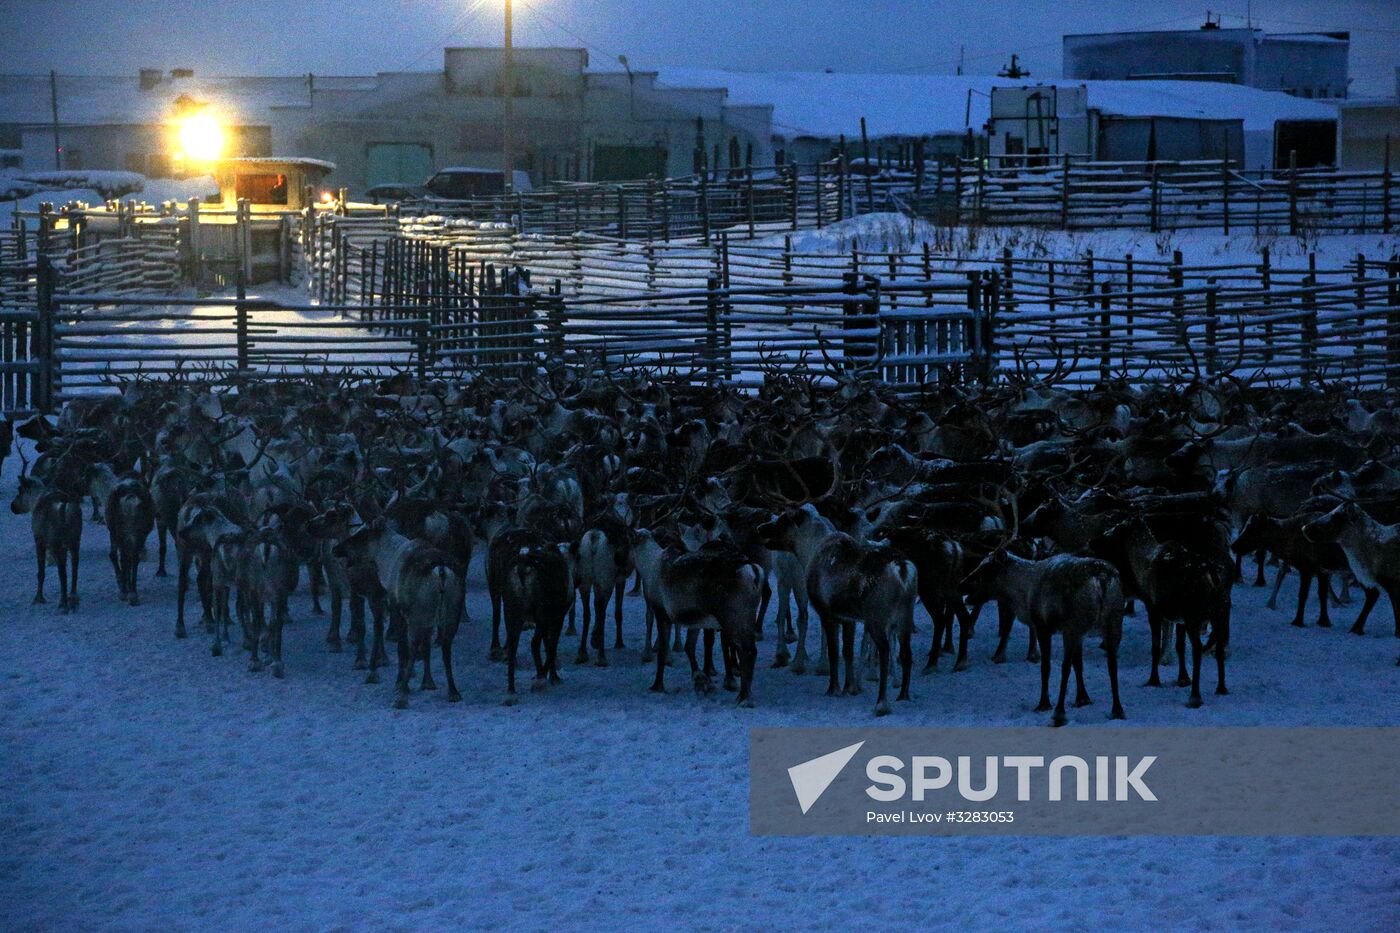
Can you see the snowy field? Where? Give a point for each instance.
(149, 785)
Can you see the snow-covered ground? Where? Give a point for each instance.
(149, 785)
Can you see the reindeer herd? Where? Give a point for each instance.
(1074, 511)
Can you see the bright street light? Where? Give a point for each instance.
(201, 138)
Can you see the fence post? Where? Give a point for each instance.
(972, 330)
(1385, 188)
(1008, 287)
(705, 208)
(42, 348)
(240, 309)
(817, 182)
(1266, 285)
(1293, 192)
(987, 334)
(1105, 334)
(192, 236)
(1178, 279)
(1064, 195)
(1308, 332)
(1392, 272)
(420, 333)
(621, 212)
(1212, 324)
(1155, 203)
(712, 331)
(1225, 187)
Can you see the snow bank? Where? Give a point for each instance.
(111, 184)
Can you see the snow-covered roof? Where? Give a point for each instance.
(815, 103)
(97, 100)
(280, 160)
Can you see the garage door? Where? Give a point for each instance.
(625, 163)
(406, 163)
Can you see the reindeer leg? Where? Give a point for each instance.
(881, 638)
(317, 581)
(357, 630)
(617, 612)
(1194, 700)
(1182, 679)
(40, 558)
(220, 614)
(401, 687)
(536, 652)
(74, 554)
(906, 663)
(1324, 588)
(746, 653)
(1044, 703)
(848, 648)
(512, 648)
(1067, 649)
(445, 640)
(710, 671)
(782, 623)
(1359, 628)
(182, 585)
(582, 656)
(118, 570)
(648, 651)
(279, 619)
(1117, 711)
(161, 532)
(765, 595)
(61, 563)
(1081, 695)
(425, 638)
(377, 654)
(1260, 559)
(1154, 621)
(495, 654)
(255, 620)
(337, 597)
(203, 579)
(551, 650)
(941, 616)
(1390, 593)
(1278, 585)
(728, 649)
(965, 626)
(133, 569)
(663, 638)
(1032, 655)
(830, 640)
(1305, 579)
(600, 622)
(702, 682)
(1220, 627)
(572, 629)
(1005, 621)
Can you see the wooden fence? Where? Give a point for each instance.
(1063, 193)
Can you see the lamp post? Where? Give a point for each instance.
(507, 78)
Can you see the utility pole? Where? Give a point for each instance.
(53, 109)
(962, 53)
(507, 79)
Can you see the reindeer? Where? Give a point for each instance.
(1284, 538)
(603, 561)
(715, 588)
(269, 575)
(1066, 594)
(849, 582)
(57, 522)
(1372, 551)
(130, 517)
(424, 594)
(1180, 585)
(538, 591)
(358, 579)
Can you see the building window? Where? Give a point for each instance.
(136, 162)
(262, 189)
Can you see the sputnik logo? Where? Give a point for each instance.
(811, 778)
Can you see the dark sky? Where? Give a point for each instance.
(365, 36)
